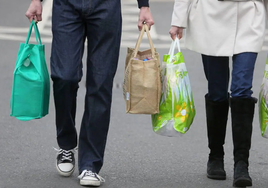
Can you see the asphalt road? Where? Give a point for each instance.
(135, 156)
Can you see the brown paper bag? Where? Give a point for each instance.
(142, 82)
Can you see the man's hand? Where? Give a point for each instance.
(176, 32)
(34, 11)
(145, 17)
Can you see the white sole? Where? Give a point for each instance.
(90, 183)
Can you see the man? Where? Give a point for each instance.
(72, 22)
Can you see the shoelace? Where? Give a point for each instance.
(66, 154)
(91, 174)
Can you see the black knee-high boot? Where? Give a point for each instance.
(217, 115)
(242, 111)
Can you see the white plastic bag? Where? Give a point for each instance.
(176, 108)
(263, 103)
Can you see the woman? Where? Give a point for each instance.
(218, 30)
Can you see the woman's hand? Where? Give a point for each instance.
(176, 32)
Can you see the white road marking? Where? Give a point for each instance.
(13, 30)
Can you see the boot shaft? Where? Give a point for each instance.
(242, 113)
(216, 115)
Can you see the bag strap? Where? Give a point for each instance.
(36, 31)
(175, 43)
(137, 47)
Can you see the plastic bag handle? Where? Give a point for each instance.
(175, 43)
(36, 31)
(144, 29)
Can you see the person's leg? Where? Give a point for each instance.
(66, 71)
(242, 112)
(217, 73)
(104, 36)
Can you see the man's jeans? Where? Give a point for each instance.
(73, 21)
(218, 75)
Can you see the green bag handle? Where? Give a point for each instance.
(36, 31)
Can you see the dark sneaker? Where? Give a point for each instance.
(89, 178)
(65, 162)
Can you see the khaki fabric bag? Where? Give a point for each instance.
(142, 82)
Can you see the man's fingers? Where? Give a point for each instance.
(30, 18)
(145, 17)
(39, 17)
(35, 19)
(150, 23)
(34, 11)
(140, 23)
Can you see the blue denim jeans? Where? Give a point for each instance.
(73, 21)
(218, 75)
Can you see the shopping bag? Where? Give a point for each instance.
(263, 103)
(176, 108)
(31, 82)
(142, 82)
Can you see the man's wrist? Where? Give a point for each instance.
(144, 8)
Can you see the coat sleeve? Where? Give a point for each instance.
(180, 13)
(143, 3)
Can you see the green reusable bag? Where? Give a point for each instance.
(31, 82)
(176, 108)
(263, 103)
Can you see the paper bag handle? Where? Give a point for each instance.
(137, 47)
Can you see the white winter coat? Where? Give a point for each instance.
(221, 28)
